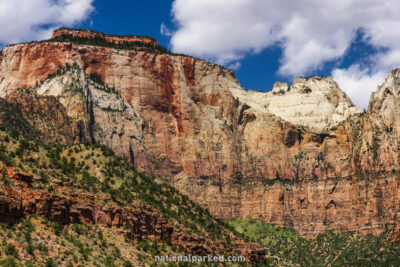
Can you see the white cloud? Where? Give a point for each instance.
(234, 66)
(24, 20)
(164, 30)
(358, 83)
(220, 30)
(310, 33)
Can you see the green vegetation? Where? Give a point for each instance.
(94, 169)
(44, 243)
(99, 41)
(282, 246)
(97, 32)
(13, 121)
(93, 78)
(285, 248)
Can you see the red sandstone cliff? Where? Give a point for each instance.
(191, 121)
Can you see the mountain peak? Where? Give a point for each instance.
(314, 102)
(385, 102)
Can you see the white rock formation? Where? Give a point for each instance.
(106, 117)
(384, 103)
(317, 102)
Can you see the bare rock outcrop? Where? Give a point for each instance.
(100, 113)
(384, 103)
(315, 102)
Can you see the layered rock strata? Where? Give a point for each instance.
(68, 207)
(301, 156)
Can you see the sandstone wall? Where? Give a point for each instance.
(191, 121)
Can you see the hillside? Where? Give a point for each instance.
(79, 204)
(285, 248)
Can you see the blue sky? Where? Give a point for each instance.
(145, 18)
(355, 41)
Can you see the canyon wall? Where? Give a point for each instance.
(300, 156)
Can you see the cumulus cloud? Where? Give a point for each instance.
(24, 20)
(358, 83)
(310, 33)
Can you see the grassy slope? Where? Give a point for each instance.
(285, 248)
(37, 242)
(94, 169)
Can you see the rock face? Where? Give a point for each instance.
(301, 156)
(38, 116)
(68, 207)
(99, 113)
(315, 102)
(66, 210)
(385, 101)
(312, 207)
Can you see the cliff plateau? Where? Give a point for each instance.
(303, 157)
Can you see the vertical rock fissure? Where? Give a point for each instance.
(131, 154)
(90, 112)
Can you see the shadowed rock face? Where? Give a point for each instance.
(333, 167)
